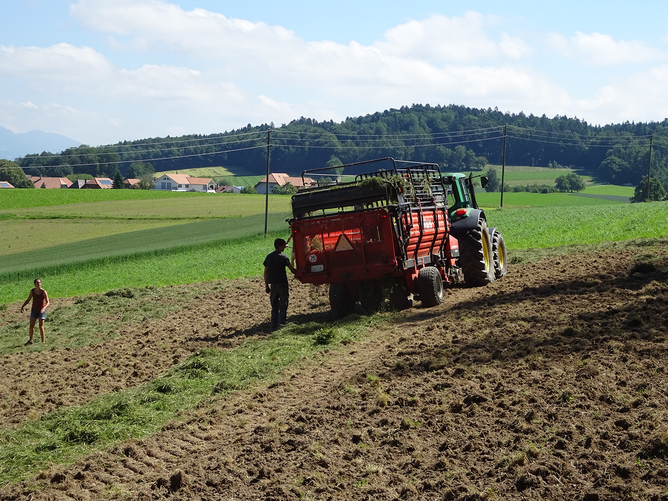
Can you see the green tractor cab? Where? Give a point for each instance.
(469, 225)
(463, 192)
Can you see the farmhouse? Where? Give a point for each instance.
(281, 179)
(50, 182)
(98, 183)
(5, 184)
(129, 183)
(183, 182)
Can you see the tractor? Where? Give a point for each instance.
(468, 222)
(387, 232)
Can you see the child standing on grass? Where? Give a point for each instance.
(40, 302)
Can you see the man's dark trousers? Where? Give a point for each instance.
(279, 305)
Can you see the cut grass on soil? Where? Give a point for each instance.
(81, 323)
(67, 435)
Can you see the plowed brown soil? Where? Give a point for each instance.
(548, 384)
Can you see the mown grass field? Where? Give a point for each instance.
(203, 172)
(203, 206)
(250, 181)
(23, 199)
(515, 175)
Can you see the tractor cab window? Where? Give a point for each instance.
(466, 196)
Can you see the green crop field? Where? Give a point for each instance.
(523, 199)
(540, 227)
(197, 263)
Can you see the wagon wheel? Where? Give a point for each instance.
(399, 296)
(430, 285)
(341, 301)
(370, 295)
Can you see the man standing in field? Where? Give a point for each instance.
(276, 283)
(40, 302)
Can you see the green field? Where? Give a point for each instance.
(249, 181)
(524, 200)
(540, 227)
(205, 206)
(81, 241)
(22, 199)
(516, 175)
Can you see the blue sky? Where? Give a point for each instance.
(102, 71)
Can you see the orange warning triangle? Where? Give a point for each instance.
(343, 244)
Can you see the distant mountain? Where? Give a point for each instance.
(14, 145)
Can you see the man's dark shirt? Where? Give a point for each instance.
(276, 263)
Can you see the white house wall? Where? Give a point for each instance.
(260, 188)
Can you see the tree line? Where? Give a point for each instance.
(458, 138)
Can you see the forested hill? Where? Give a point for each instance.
(456, 137)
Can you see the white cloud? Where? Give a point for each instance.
(155, 25)
(456, 39)
(62, 62)
(232, 72)
(287, 70)
(602, 50)
(641, 98)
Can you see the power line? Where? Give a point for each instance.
(324, 140)
(116, 162)
(140, 147)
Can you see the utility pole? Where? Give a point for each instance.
(266, 185)
(503, 165)
(649, 166)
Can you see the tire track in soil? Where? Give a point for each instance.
(550, 383)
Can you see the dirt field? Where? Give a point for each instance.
(549, 384)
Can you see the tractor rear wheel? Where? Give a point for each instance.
(430, 286)
(341, 301)
(370, 295)
(499, 253)
(475, 256)
(398, 297)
